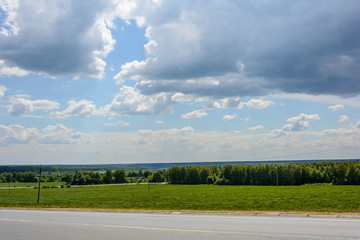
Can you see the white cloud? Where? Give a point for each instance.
(159, 122)
(329, 99)
(338, 131)
(336, 107)
(11, 71)
(258, 103)
(352, 130)
(298, 123)
(58, 134)
(9, 26)
(121, 123)
(256, 128)
(232, 102)
(180, 97)
(343, 118)
(130, 69)
(304, 117)
(176, 145)
(229, 117)
(194, 114)
(131, 102)
(16, 134)
(82, 108)
(277, 133)
(2, 91)
(214, 105)
(20, 105)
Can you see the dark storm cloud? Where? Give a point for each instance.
(252, 48)
(57, 38)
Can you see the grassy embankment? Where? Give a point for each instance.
(309, 198)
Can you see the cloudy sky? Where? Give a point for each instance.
(129, 81)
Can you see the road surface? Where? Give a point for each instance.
(44, 224)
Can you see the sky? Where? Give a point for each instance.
(155, 81)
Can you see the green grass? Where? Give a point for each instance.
(309, 198)
(30, 184)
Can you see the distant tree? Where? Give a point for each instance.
(108, 178)
(119, 176)
(227, 171)
(157, 177)
(147, 173)
(203, 175)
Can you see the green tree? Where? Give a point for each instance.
(108, 178)
(119, 176)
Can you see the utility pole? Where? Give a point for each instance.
(9, 184)
(39, 186)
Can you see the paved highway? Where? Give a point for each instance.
(42, 224)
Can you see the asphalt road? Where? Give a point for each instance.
(42, 224)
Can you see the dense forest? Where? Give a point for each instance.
(335, 172)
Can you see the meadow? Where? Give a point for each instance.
(324, 198)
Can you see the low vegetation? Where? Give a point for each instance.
(307, 198)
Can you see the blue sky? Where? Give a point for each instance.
(178, 81)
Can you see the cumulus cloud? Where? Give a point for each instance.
(121, 123)
(298, 123)
(338, 131)
(20, 105)
(336, 107)
(6, 70)
(194, 114)
(2, 91)
(9, 26)
(180, 97)
(130, 101)
(353, 129)
(259, 103)
(232, 102)
(256, 128)
(82, 108)
(58, 134)
(229, 117)
(159, 122)
(56, 37)
(343, 118)
(16, 134)
(246, 48)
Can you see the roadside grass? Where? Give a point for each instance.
(31, 184)
(308, 198)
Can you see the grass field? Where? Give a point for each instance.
(309, 198)
(31, 184)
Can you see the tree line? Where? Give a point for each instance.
(337, 173)
(80, 177)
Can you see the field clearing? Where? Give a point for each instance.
(30, 184)
(308, 198)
